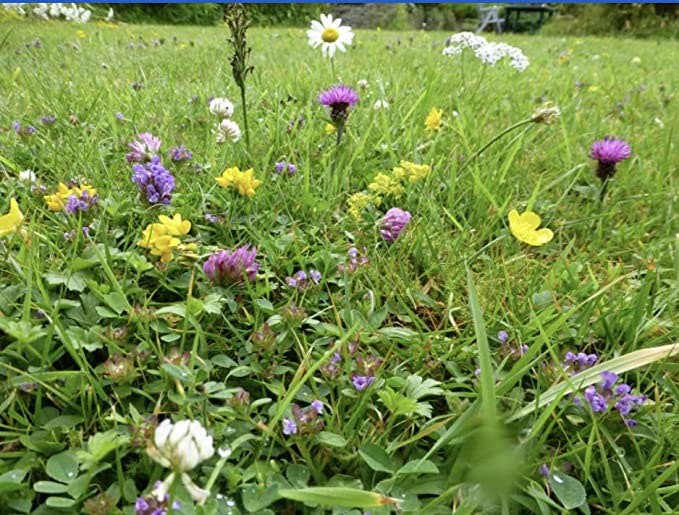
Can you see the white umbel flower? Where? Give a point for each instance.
(221, 107)
(330, 35)
(228, 130)
(181, 447)
(27, 176)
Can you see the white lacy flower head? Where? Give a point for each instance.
(487, 52)
(221, 107)
(228, 130)
(330, 35)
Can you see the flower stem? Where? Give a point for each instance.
(245, 117)
(604, 189)
(340, 132)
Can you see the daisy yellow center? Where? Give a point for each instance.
(330, 35)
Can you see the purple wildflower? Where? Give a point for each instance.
(393, 223)
(362, 382)
(289, 427)
(144, 149)
(292, 169)
(579, 362)
(120, 116)
(48, 120)
(609, 379)
(154, 181)
(82, 203)
(23, 131)
(301, 280)
(16, 127)
(544, 470)
(355, 260)
(213, 219)
(317, 406)
(282, 166)
(339, 100)
(596, 401)
(331, 369)
(503, 337)
(86, 231)
(226, 266)
(180, 153)
(152, 505)
(608, 152)
(599, 399)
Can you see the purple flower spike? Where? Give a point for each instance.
(393, 223)
(180, 153)
(227, 267)
(608, 152)
(144, 149)
(154, 181)
(609, 379)
(362, 382)
(339, 100)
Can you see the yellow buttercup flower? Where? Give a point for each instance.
(384, 184)
(244, 182)
(434, 119)
(58, 200)
(524, 227)
(175, 225)
(11, 222)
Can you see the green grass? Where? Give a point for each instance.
(429, 306)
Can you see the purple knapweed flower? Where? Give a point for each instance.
(579, 362)
(154, 181)
(225, 266)
(48, 120)
(289, 427)
(339, 100)
(362, 382)
(609, 152)
(144, 149)
(317, 406)
(180, 153)
(393, 223)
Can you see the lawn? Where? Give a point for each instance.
(427, 374)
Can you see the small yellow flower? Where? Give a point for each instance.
(434, 119)
(413, 171)
(81, 33)
(175, 226)
(330, 128)
(244, 182)
(11, 222)
(58, 200)
(524, 227)
(358, 202)
(384, 184)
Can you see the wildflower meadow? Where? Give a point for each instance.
(328, 270)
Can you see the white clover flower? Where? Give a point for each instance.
(380, 104)
(330, 35)
(228, 130)
(221, 107)
(27, 176)
(362, 84)
(181, 447)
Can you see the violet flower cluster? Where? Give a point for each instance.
(230, 267)
(282, 166)
(150, 505)
(301, 280)
(356, 260)
(80, 204)
(29, 130)
(393, 223)
(332, 368)
(607, 393)
(48, 120)
(154, 181)
(507, 349)
(304, 421)
(578, 362)
(180, 153)
(367, 367)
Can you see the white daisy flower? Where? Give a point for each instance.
(228, 130)
(330, 35)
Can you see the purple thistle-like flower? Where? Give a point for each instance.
(608, 152)
(339, 100)
(289, 427)
(393, 223)
(317, 406)
(362, 382)
(154, 181)
(226, 266)
(48, 120)
(180, 153)
(144, 149)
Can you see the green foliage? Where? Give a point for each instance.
(175, 14)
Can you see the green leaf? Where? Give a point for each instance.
(376, 458)
(418, 467)
(50, 487)
(396, 403)
(116, 301)
(568, 490)
(63, 467)
(298, 475)
(256, 498)
(337, 496)
(73, 282)
(331, 439)
(179, 372)
(12, 480)
(60, 502)
(265, 305)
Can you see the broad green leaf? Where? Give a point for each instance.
(376, 458)
(60, 502)
(255, 498)
(116, 301)
(418, 467)
(337, 496)
(63, 467)
(568, 490)
(50, 487)
(331, 439)
(298, 475)
(12, 480)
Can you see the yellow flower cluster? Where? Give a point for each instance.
(162, 238)
(57, 201)
(244, 182)
(387, 184)
(434, 119)
(11, 222)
